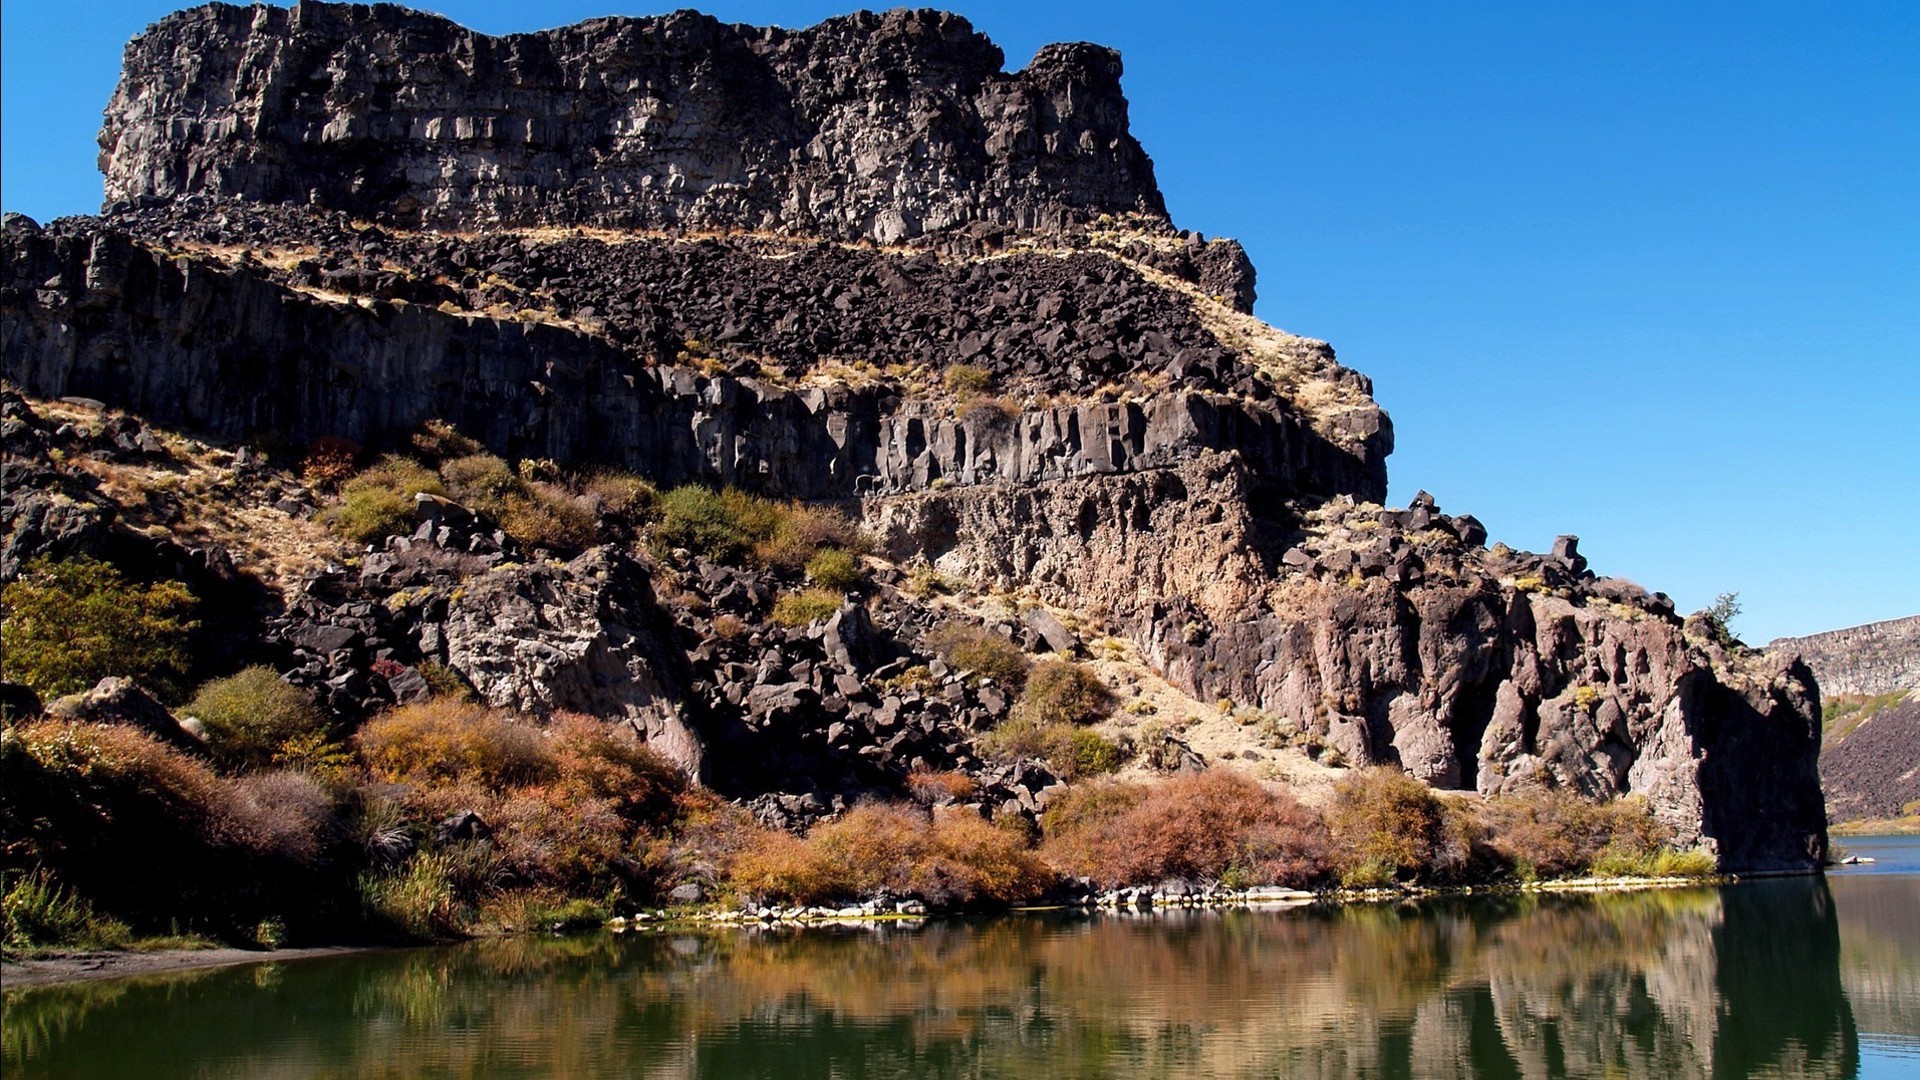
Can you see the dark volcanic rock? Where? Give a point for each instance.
(878, 126)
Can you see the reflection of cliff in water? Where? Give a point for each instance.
(1699, 983)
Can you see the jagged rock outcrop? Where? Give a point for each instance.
(879, 126)
(1877, 658)
(1036, 382)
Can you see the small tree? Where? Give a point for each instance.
(1720, 615)
(70, 623)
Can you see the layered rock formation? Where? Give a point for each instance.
(1878, 658)
(1024, 396)
(879, 126)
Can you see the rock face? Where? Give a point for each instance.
(878, 126)
(1878, 658)
(1010, 389)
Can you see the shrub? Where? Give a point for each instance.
(722, 525)
(939, 787)
(1200, 826)
(1387, 826)
(282, 815)
(149, 834)
(37, 911)
(1063, 692)
(832, 568)
(443, 681)
(1555, 833)
(1071, 752)
(416, 900)
(622, 495)
(979, 650)
(328, 461)
(549, 516)
(70, 623)
(800, 532)
(368, 514)
(598, 760)
(252, 714)
(806, 607)
(884, 847)
(965, 380)
(481, 481)
(989, 411)
(379, 502)
(436, 440)
(441, 740)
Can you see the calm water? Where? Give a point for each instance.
(1798, 977)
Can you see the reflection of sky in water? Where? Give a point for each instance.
(1766, 979)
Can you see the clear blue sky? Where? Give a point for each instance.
(1645, 272)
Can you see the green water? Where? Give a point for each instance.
(1798, 977)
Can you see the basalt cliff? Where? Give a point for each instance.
(861, 266)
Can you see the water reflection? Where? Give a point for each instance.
(1699, 983)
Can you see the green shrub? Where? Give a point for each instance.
(1071, 752)
(975, 648)
(70, 623)
(481, 482)
(832, 568)
(416, 900)
(721, 525)
(379, 502)
(252, 714)
(36, 911)
(1063, 692)
(806, 607)
(369, 514)
(965, 380)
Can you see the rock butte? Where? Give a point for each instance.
(746, 255)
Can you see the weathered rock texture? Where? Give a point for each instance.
(1025, 396)
(879, 126)
(1878, 658)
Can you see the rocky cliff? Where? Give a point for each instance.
(1878, 658)
(942, 297)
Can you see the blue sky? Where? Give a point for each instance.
(1648, 273)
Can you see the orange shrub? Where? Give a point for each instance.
(599, 760)
(1389, 827)
(440, 740)
(894, 848)
(1201, 826)
(932, 787)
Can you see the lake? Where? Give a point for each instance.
(1779, 978)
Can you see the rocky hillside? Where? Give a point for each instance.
(1869, 676)
(858, 266)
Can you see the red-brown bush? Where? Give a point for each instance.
(1202, 826)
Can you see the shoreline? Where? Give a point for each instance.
(58, 969)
